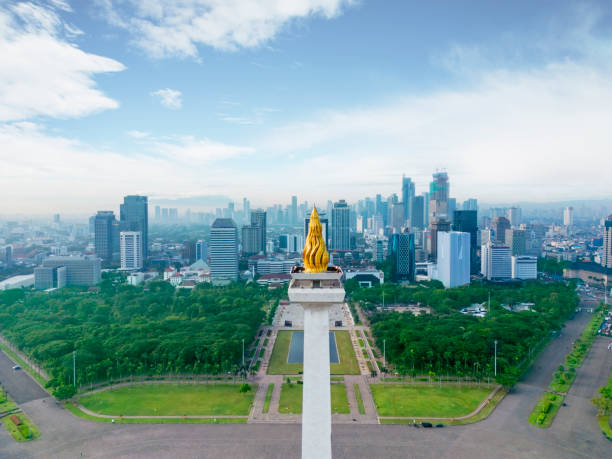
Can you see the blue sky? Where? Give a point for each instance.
(326, 99)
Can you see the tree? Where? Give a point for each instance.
(604, 401)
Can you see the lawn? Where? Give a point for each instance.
(278, 361)
(604, 423)
(172, 400)
(427, 400)
(291, 399)
(359, 399)
(266, 406)
(80, 414)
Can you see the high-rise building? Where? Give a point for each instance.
(293, 212)
(496, 261)
(452, 206)
(524, 267)
(397, 217)
(417, 218)
(437, 226)
(134, 216)
(251, 240)
(470, 204)
(201, 250)
(223, 251)
(500, 225)
(466, 221)
(514, 215)
(453, 258)
(52, 277)
(606, 258)
(131, 250)
(258, 221)
(438, 197)
(80, 270)
(8, 255)
(402, 248)
(157, 212)
(104, 234)
(189, 252)
(341, 226)
(568, 216)
(56, 218)
(380, 250)
(407, 196)
(425, 209)
(516, 239)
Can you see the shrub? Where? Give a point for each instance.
(541, 418)
(245, 388)
(552, 397)
(545, 408)
(25, 431)
(64, 392)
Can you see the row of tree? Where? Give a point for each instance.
(449, 342)
(125, 330)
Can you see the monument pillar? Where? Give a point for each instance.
(316, 287)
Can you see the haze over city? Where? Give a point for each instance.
(326, 99)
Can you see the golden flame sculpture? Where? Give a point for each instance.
(315, 253)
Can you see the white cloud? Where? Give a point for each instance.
(541, 134)
(169, 28)
(169, 98)
(41, 73)
(72, 174)
(138, 134)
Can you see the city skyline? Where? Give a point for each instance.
(97, 102)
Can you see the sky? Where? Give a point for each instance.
(323, 99)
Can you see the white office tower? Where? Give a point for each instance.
(524, 267)
(223, 251)
(568, 216)
(130, 243)
(514, 216)
(496, 261)
(453, 258)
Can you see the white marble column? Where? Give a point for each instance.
(316, 402)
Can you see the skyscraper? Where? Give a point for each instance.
(516, 239)
(251, 240)
(514, 216)
(470, 204)
(407, 195)
(259, 221)
(496, 261)
(201, 250)
(606, 258)
(453, 258)
(500, 225)
(402, 248)
(466, 221)
(568, 216)
(293, 211)
(223, 251)
(341, 226)
(417, 218)
(157, 212)
(131, 250)
(437, 226)
(398, 219)
(103, 234)
(134, 216)
(438, 197)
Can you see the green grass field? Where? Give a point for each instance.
(359, 399)
(278, 361)
(427, 401)
(172, 400)
(80, 414)
(266, 406)
(291, 399)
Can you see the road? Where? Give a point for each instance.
(505, 434)
(18, 383)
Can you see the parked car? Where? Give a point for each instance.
(16, 367)
(439, 425)
(426, 424)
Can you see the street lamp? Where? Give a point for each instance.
(243, 352)
(495, 358)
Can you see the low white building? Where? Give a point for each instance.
(524, 267)
(17, 282)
